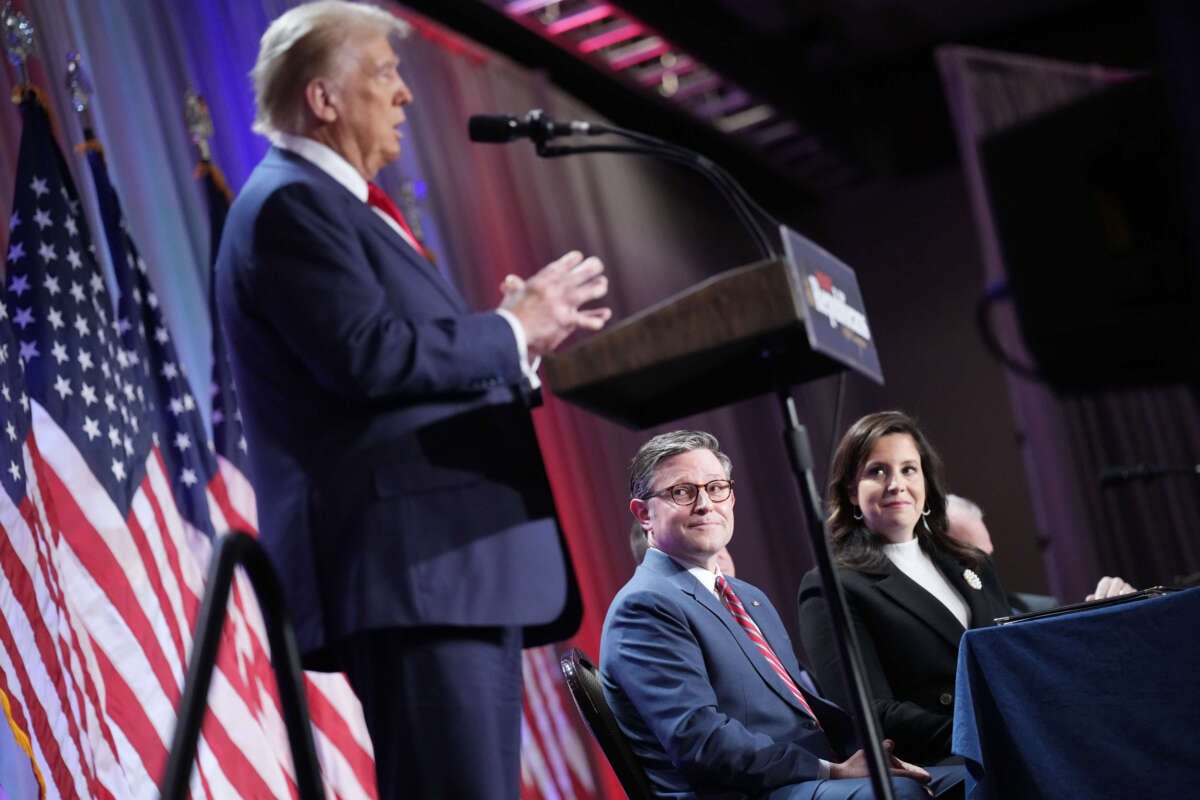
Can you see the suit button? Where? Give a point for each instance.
(946, 699)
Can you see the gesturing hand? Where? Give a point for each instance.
(548, 304)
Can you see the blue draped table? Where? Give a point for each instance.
(1103, 703)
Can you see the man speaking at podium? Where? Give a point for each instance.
(403, 498)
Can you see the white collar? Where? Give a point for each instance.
(326, 159)
(707, 577)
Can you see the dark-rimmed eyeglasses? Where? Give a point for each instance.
(684, 494)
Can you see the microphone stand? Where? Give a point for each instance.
(743, 205)
(796, 442)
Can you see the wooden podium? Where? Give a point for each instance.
(733, 336)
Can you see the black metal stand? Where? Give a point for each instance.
(753, 217)
(795, 440)
(233, 549)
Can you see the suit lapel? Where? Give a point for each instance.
(692, 587)
(904, 591)
(414, 261)
(976, 599)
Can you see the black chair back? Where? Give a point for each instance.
(583, 681)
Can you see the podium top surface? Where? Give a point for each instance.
(736, 335)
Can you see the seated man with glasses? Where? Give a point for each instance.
(697, 666)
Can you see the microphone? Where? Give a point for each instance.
(536, 125)
(1115, 476)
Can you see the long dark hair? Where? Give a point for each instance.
(856, 546)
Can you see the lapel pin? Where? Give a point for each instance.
(754, 602)
(972, 579)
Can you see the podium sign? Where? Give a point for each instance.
(835, 319)
(744, 332)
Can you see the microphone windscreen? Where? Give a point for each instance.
(497, 128)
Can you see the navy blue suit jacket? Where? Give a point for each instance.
(398, 476)
(703, 709)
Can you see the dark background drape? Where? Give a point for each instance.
(1027, 457)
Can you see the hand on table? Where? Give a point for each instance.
(1110, 587)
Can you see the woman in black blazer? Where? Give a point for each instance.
(910, 588)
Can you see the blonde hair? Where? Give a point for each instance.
(304, 43)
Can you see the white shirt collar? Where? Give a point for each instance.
(707, 577)
(332, 164)
(326, 159)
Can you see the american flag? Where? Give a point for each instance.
(41, 658)
(114, 523)
(227, 435)
(555, 763)
(173, 422)
(83, 541)
(342, 741)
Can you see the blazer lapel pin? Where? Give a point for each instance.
(972, 579)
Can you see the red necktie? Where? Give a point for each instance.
(377, 198)
(739, 613)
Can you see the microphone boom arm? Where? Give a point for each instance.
(743, 204)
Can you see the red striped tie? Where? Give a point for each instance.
(739, 613)
(377, 198)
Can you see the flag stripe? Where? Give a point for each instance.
(22, 697)
(21, 638)
(233, 519)
(328, 694)
(333, 708)
(239, 492)
(145, 717)
(33, 707)
(97, 744)
(100, 745)
(118, 603)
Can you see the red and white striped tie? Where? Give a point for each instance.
(739, 613)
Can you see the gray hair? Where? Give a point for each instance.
(964, 505)
(668, 445)
(304, 43)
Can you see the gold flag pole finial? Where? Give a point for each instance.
(199, 122)
(19, 44)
